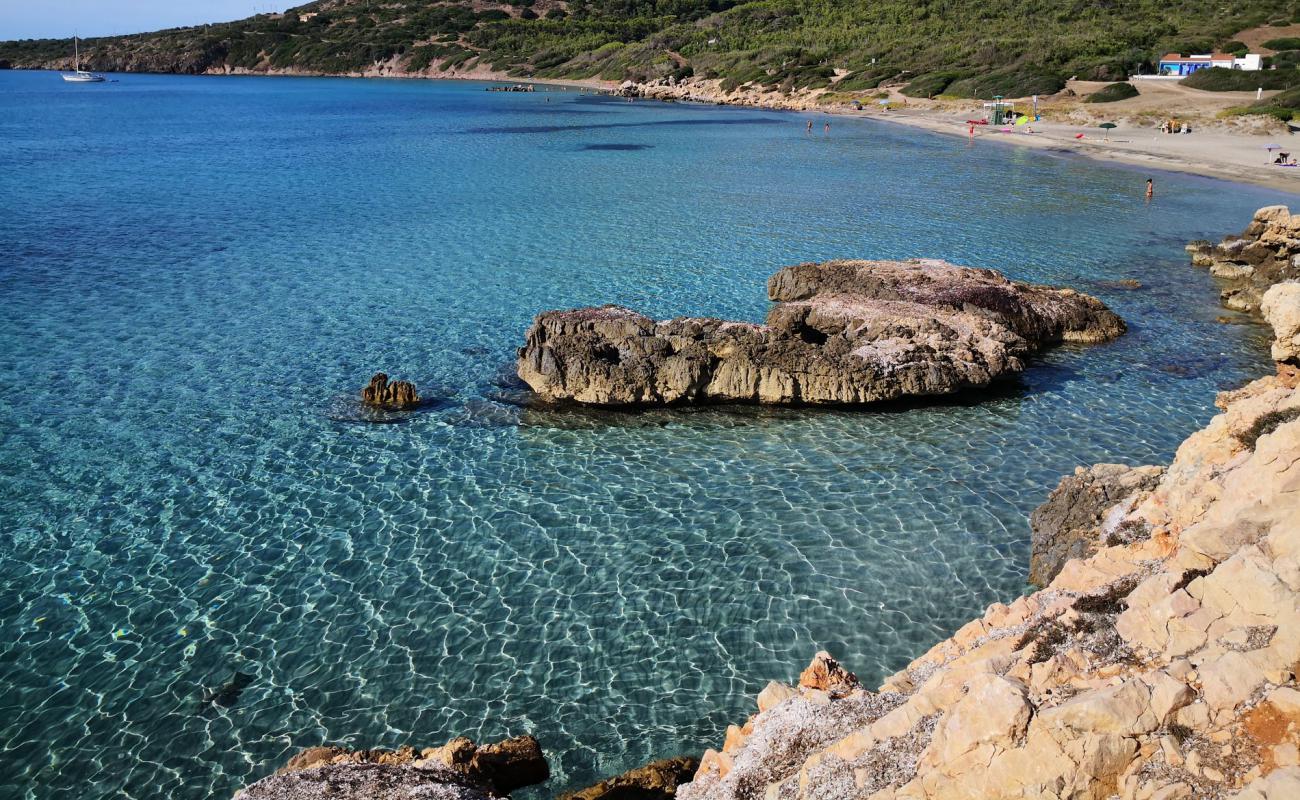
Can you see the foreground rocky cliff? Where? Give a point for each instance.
(842, 332)
(1161, 665)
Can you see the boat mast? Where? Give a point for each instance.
(76, 55)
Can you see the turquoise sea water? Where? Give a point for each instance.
(196, 274)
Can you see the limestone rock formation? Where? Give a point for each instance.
(657, 780)
(1267, 252)
(1280, 306)
(459, 770)
(842, 332)
(1083, 513)
(396, 395)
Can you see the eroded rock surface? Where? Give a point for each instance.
(459, 770)
(1153, 667)
(1085, 511)
(842, 332)
(1280, 306)
(657, 780)
(395, 395)
(1266, 253)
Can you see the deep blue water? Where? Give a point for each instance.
(196, 273)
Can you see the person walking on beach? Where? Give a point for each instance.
(1151, 189)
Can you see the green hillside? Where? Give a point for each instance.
(962, 47)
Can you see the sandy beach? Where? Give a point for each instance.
(1214, 153)
(1230, 147)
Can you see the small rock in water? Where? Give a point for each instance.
(657, 780)
(395, 395)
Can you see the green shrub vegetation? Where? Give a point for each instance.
(1113, 93)
(931, 83)
(1284, 105)
(972, 48)
(1218, 79)
(1286, 43)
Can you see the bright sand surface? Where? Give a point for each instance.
(1213, 148)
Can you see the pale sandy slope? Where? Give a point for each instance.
(1232, 148)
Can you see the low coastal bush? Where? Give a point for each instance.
(931, 84)
(1284, 43)
(1285, 58)
(1283, 105)
(1234, 47)
(1218, 79)
(1019, 81)
(1113, 93)
(864, 79)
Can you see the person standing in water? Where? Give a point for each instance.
(809, 126)
(827, 129)
(1151, 189)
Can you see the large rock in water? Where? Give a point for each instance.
(842, 332)
(1073, 522)
(459, 770)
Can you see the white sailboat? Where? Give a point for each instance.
(79, 75)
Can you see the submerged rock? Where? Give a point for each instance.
(1072, 522)
(396, 395)
(657, 780)
(842, 332)
(459, 770)
(1267, 252)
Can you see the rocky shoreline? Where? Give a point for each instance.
(1158, 661)
(841, 332)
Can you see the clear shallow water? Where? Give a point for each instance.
(196, 272)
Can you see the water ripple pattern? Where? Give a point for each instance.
(194, 272)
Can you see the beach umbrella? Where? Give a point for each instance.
(1272, 147)
(1108, 125)
(884, 102)
(1022, 119)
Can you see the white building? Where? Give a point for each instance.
(1180, 65)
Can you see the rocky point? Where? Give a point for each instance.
(1265, 253)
